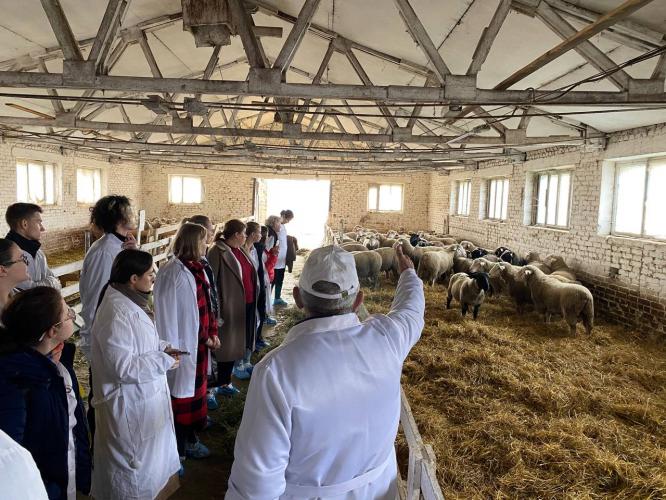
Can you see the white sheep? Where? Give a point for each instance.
(389, 261)
(461, 264)
(469, 290)
(534, 259)
(353, 247)
(371, 241)
(573, 302)
(434, 265)
(515, 284)
(559, 267)
(368, 266)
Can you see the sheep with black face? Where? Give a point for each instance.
(468, 289)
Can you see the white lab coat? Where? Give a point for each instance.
(95, 274)
(282, 254)
(177, 321)
(322, 410)
(39, 272)
(135, 445)
(19, 475)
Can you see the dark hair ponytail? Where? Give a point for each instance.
(126, 264)
(287, 214)
(5, 250)
(27, 316)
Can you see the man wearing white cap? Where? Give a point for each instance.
(323, 409)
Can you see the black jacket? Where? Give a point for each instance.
(34, 412)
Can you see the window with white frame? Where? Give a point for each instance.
(498, 198)
(553, 198)
(463, 197)
(639, 202)
(185, 189)
(88, 185)
(36, 182)
(385, 197)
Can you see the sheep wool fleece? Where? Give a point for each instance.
(323, 409)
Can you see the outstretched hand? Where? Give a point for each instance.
(404, 262)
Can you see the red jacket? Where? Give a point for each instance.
(271, 259)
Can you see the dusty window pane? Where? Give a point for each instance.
(191, 190)
(505, 199)
(541, 199)
(491, 200)
(372, 198)
(629, 199)
(36, 183)
(176, 189)
(563, 205)
(390, 197)
(655, 202)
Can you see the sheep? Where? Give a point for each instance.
(368, 266)
(371, 242)
(507, 255)
(534, 259)
(445, 240)
(461, 264)
(478, 252)
(515, 284)
(574, 302)
(389, 261)
(353, 247)
(483, 265)
(415, 253)
(434, 265)
(559, 267)
(468, 289)
(468, 246)
(386, 241)
(352, 235)
(391, 235)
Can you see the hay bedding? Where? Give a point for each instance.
(517, 408)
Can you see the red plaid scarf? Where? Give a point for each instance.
(193, 411)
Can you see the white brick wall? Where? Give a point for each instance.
(65, 221)
(640, 262)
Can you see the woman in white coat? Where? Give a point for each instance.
(135, 454)
(185, 319)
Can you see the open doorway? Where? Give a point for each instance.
(307, 198)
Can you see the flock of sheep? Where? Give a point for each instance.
(474, 273)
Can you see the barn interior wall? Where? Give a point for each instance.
(349, 202)
(637, 292)
(226, 195)
(65, 221)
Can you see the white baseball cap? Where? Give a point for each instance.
(332, 264)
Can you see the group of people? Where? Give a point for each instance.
(158, 356)
(322, 410)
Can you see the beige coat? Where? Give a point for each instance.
(231, 295)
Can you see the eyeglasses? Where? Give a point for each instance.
(23, 258)
(71, 315)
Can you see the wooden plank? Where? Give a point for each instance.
(72, 267)
(415, 443)
(156, 244)
(166, 229)
(70, 290)
(430, 489)
(606, 21)
(160, 257)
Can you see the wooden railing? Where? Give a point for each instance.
(421, 479)
(329, 236)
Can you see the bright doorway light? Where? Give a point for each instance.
(308, 199)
